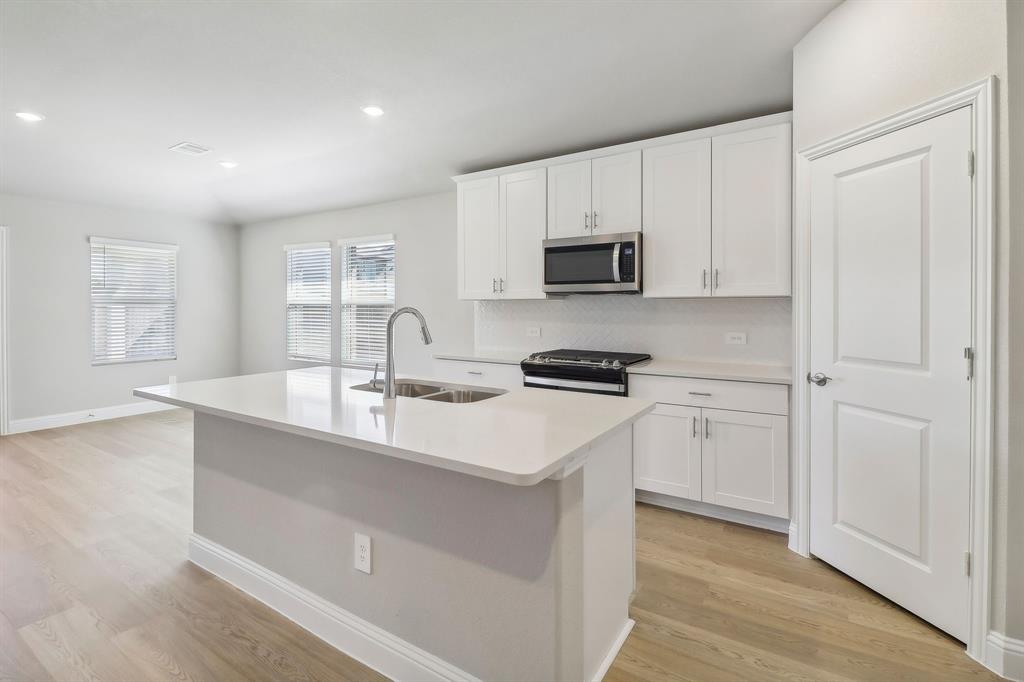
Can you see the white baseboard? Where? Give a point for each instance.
(714, 511)
(1005, 656)
(363, 641)
(613, 651)
(53, 421)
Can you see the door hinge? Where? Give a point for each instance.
(969, 357)
(970, 163)
(967, 563)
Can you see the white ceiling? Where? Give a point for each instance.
(277, 86)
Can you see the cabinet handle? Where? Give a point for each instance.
(705, 395)
(707, 429)
(494, 286)
(716, 279)
(703, 279)
(473, 371)
(586, 220)
(595, 220)
(694, 427)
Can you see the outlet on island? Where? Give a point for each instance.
(363, 555)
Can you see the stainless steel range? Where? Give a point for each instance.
(587, 371)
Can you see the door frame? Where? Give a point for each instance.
(4, 402)
(980, 96)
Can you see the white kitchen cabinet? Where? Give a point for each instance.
(569, 200)
(501, 225)
(522, 206)
(595, 196)
(677, 219)
(478, 238)
(745, 461)
(615, 193)
(668, 442)
(751, 222)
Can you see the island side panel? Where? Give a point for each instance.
(473, 571)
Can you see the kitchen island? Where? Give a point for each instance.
(502, 530)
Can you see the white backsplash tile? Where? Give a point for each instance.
(668, 328)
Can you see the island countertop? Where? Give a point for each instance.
(520, 437)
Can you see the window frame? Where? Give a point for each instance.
(341, 244)
(95, 240)
(330, 283)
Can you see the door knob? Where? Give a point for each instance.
(818, 378)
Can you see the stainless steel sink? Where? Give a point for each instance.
(404, 388)
(462, 395)
(444, 393)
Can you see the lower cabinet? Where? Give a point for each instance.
(730, 458)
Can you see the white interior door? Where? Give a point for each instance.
(666, 445)
(890, 319)
(616, 193)
(478, 238)
(522, 223)
(745, 461)
(569, 200)
(677, 219)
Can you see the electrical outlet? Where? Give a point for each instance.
(736, 338)
(533, 332)
(363, 556)
(173, 379)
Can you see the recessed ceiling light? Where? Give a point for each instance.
(29, 116)
(228, 164)
(373, 110)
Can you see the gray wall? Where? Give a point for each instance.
(425, 238)
(49, 345)
(867, 60)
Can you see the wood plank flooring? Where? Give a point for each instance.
(95, 585)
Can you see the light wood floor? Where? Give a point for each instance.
(94, 585)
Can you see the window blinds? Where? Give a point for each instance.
(367, 298)
(133, 288)
(309, 302)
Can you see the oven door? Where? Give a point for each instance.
(591, 265)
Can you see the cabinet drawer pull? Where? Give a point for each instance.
(704, 395)
(472, 371)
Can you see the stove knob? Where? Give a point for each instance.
(617, 365)
(606, 363)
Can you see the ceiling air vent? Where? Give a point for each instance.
(190, 148)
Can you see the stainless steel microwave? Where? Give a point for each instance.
(599, 264)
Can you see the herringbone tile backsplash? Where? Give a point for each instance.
(667, 328)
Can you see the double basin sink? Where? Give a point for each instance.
(438, 392)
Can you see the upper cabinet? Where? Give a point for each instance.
(595, 196)
(751, 196)
(714, 209)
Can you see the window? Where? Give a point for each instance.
(133, 287)
(367, 298)
(309, 302)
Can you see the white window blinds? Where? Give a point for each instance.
(309, 302)
(133, 287)
(367, 298)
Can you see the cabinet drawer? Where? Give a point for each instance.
(480, 373)
(727, 395)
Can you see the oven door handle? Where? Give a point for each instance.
(615, 262)
(595, 386)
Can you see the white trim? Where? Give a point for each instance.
(979, 96)
(723, 129)
(613, 651)
(306, 245)
(130, 243)
(53, 421)
(740, 516)
(367, 239)
(1005, 656)
(360, 639)
(4, 396)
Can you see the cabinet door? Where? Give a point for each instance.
(616, 193)
(569, 200)
(750, 212)
(478, 238)
(522, 222)
(677, 219)
(745, 461)
(667, 443)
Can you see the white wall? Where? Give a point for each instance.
(49, 344)
(867, 60)
(424, 229)
(666, 328)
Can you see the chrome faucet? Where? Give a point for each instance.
(389, 368)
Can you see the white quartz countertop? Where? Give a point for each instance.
(521, 437)
(695, 369)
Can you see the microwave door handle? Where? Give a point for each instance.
(615, 262)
